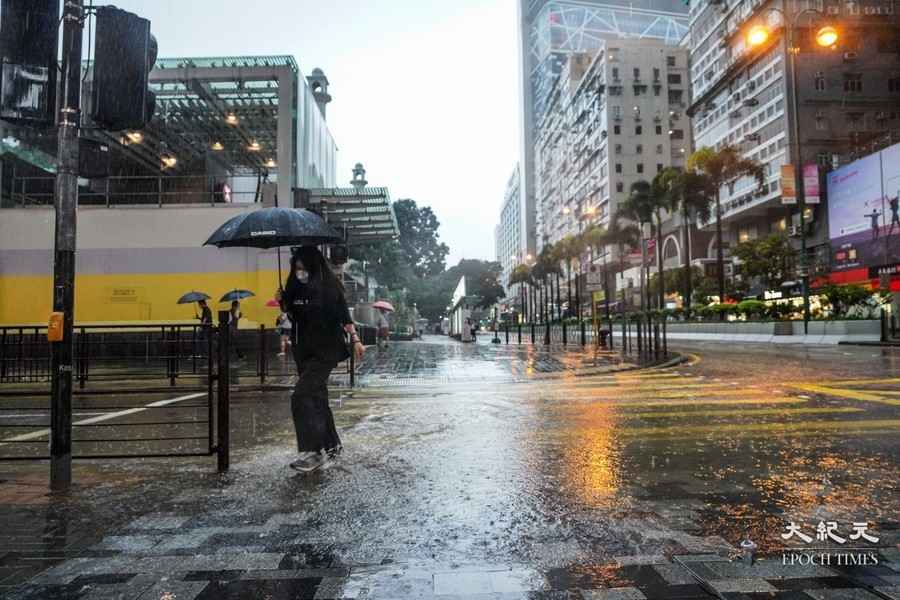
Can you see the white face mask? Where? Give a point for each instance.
(302, 275)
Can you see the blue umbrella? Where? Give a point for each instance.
(236, 295)
(192, 297)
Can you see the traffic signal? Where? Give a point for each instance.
(126, 53)
(28, 43)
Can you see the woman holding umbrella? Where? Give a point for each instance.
(314, 299)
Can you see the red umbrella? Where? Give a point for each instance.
(273, 303)
(384, 305)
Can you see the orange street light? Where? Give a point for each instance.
(827, 36)
(758, 35)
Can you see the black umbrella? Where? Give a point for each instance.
(272, 228)
(236, 295)
(192, 297)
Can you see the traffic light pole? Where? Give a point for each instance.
(66, 201)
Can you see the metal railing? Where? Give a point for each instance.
(126, 426)
(642, 336)
(138, 191)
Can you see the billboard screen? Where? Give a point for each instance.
(863, 219)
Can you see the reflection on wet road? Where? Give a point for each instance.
(451, 485)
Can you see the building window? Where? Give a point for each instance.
(656, 75)
(821, 124)
(639, 149)
(615, 73)
(640, 167)
(853, 82)
(619, 168)
(824, 159)
(851, 7)
(677, 134)
(659, 148)
(670, 61)
(638, 130)
(617, 129)
(674, 79)
(637, 73)
(620, 187)
(659, 130)
(820, 81)
(676, 96)
(894, 85)
(659, 167)
(617, 111)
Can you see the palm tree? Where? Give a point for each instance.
(723, 168)
(622, 235)
(549, 261)
(597, 236)
(568, 250)
(639, 207)
(521, 275)
(688, 193)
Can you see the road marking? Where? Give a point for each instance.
(744, 413)
(35, 435)
(790, 429)
(844, 393)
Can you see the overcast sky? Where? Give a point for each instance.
(424, 90)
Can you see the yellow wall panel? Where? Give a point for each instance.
(147, 297)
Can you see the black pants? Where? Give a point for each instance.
(313, 420)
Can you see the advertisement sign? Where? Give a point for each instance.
(788, 185)
(811, 184)
(863, 211)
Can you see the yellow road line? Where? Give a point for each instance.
(844, 393)
(691, 431)
(861, 381)
(744, 413)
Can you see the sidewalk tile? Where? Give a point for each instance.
(628, 593)
(742, 585)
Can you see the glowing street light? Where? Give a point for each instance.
(135, 137)
(827, 36)
(758, 35)
(217, 146)
(231, 119)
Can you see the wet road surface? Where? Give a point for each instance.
(462, 478)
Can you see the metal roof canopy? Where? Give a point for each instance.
(366, 214)
(195, 97)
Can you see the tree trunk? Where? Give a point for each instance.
(558, 303)
(659, 264)
(569, 283)
(720, 255)
(688, 276)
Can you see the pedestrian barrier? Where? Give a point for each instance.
(644, 336)
(126, 425)
(143, 354)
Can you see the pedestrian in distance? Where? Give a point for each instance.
(314, 300)
(205, 314)
(233, 323)
(383, 329)
(284, 326)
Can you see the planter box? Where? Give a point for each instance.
(785, 332)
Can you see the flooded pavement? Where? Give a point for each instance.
(479, 471)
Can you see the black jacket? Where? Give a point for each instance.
(318, 313)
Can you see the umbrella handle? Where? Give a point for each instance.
(280, 287)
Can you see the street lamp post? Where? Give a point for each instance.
(826, 37)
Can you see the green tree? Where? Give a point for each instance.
(640, 207)
(419, 238)
(623, 236)
(432, 295)
(724, 168)
(416, 254)
(767, 259)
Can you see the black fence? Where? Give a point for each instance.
(158, 354)
(639, 335)
(123, 425)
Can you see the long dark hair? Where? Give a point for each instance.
(320, 272)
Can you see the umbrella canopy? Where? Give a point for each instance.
(272, 228)
(273, 303)
(236, 295)
(384, 305)
(192, 297)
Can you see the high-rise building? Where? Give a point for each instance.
(550, 31)
(613, 118)
(847, 99)
(508, 234)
